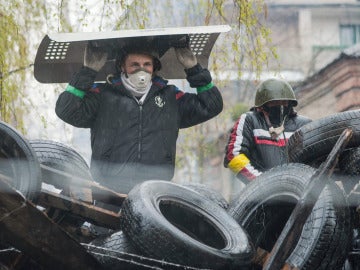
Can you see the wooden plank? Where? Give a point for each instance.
(99, 193)
(91, 213)
(290, 234)
(32, 232)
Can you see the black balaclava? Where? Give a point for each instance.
(277, 114)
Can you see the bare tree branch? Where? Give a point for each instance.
(2, 76)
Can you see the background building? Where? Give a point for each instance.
(308, 36)
(312, 38)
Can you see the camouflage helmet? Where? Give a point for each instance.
(274, 89)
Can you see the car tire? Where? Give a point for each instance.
(60, 157)
(349, 161)
(114, 251)
(18, 161)
(208, 192)
(264, 206)
(64, 158)
(315, 140)
(172, 223)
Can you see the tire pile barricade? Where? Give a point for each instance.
(164, 225)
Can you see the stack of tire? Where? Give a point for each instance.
(171, 226)
(178, 227)
(20, 161)
(265, 205)
(165, 225)
(154, 214)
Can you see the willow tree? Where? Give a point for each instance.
(12, 61)
(18, 19)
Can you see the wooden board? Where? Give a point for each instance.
(28, 229)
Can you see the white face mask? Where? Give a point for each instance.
(140, 79)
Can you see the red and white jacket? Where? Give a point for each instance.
(251, 150)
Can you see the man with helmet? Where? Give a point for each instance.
(135, 117)
(258, 138)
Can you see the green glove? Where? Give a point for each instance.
(186, 57)
(94, 57)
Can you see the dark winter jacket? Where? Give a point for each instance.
(251, 150)
(133, 141)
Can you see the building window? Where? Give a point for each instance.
(349, 34)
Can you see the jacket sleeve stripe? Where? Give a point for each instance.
(279, 143)
(238, 163)
(205, 87)
(75, 91)
(250, 174)
(236, 138)
(241, 164)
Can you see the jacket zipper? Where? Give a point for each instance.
(140, 129)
